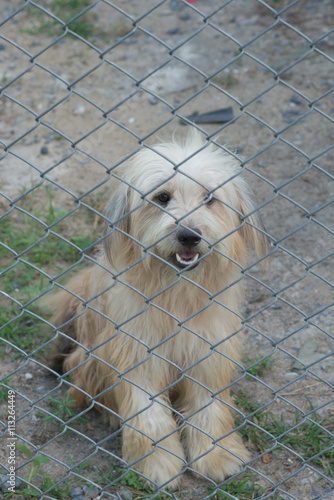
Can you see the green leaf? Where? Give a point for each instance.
(24, 449)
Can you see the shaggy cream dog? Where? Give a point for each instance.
(149, 332)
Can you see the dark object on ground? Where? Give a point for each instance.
(219, 116)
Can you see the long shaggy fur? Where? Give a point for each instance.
(148, 333)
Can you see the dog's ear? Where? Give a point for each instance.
(253, 230)
(118, 243)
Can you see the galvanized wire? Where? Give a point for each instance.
(268, 324)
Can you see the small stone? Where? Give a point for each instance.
(28, 376)
(5, 482)
(174, 31)
(307, 355)
(290, 116)
(41, 389)
(76, 492)
(295, 99)
(80, 109)
(291, 375)
(125, 494)
(44, 150)
(90, 491)
(152, 100)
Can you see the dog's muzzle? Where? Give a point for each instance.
(187, 256)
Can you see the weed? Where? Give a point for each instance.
(226, 80)
(26, 246)
(79, 468)
(28, 238)
(35, 464)
(65, 10)
(20, 330)
(4, 390)
(129, 479)
(245, 488)
(310, 437)
(260, 366)
(63, 410)
(132, 479)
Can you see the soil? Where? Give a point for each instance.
(73, 109)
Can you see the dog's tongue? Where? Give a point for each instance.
(187, 256)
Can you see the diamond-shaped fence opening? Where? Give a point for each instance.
(121, 306)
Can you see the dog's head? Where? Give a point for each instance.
(179, 206)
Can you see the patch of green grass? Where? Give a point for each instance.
(65, 10)
(260, 366)
(308, 437)
(25, 248)
(35, 472)
(4, 390)
(29, 239)
(119, 478)
(64, 409)
(226, 80)
(21, 331)
(243, 489)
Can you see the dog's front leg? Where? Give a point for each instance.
(208, 420)
(151, 443)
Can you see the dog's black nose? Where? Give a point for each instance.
(189, 237)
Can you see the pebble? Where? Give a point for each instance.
(44, 150)
(291, 375)
(80, 109)
(84, 493)
(76, 492)
(28, 376)
(125, 494)
(152, 100)
(41, 389)
(91, 491)
(307, 355)
(4, 482)
(290, 116)
(174, 31)
(295, 99)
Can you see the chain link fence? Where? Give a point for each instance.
(86, 85)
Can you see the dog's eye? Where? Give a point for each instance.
(163, 198)
(209, 199)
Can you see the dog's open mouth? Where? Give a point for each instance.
(186, 259)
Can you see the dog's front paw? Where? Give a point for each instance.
(161, 468)
(160, 464)
(225, 460)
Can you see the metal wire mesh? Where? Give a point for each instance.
(87, 85)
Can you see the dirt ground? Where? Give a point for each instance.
(71, 110)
